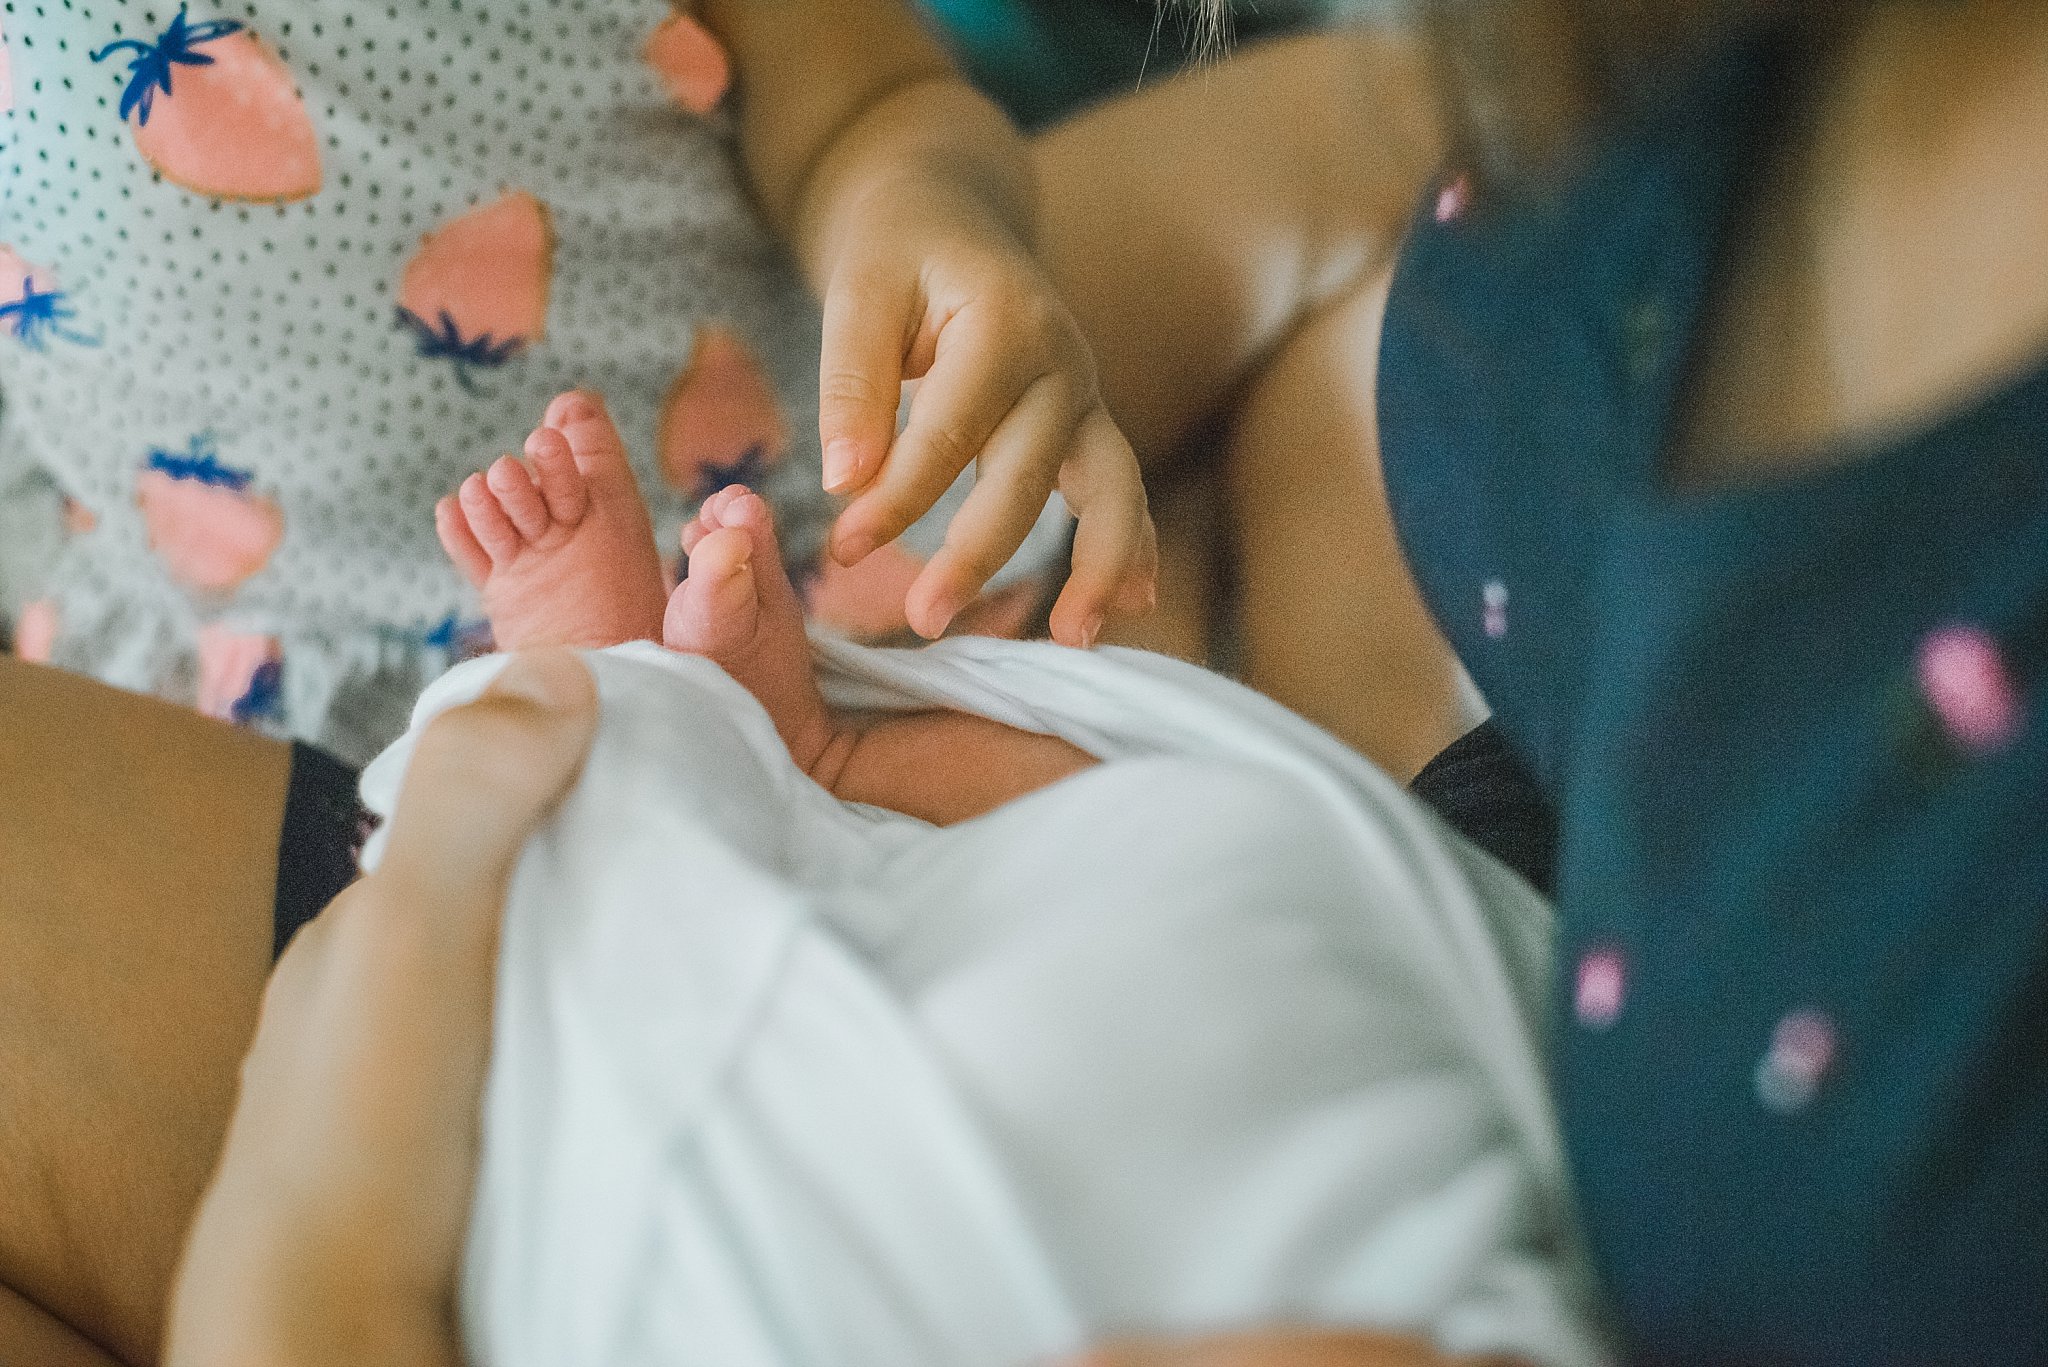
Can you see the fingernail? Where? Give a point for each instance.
(1091, 627)
(853, 549)
(842, 465)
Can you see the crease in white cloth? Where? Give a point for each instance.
(1224, 1031)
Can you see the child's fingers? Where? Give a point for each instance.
(860, 375)
(1013, 478)
(518, 496)
(975, 382)
(1139, 593)
(1112, 535)
(460, 542)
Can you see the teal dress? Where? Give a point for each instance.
(1044, 59)
(1795, 734)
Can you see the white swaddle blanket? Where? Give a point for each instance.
(1225, 1031)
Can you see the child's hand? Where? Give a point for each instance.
(929, 279)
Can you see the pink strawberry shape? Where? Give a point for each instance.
(691, 63)
(35, 631)
(476, 291)
(217, 112)
(204, 524)
(239, 674)
(720, 424)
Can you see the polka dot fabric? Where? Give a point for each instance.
(328, 259)
(1792, 729)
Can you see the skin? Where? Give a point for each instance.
(911, 202)
(560, 547)
(114, 1119)
(88, 1213)
(135, 911)
(1211, 211)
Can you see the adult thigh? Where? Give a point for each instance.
(138, 847)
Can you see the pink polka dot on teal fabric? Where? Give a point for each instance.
(1454, 199)
(1963, 677)
(1493, 602)
(1601, 988)
(1802, 1052)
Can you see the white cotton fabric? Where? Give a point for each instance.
(1224, 1031)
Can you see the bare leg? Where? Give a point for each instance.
(1223, 239)
(137, 870)
(1332, 623)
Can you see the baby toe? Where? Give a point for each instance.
(487, 520)
(562, 485)
(517, 494)
(715, 610)
(451, 524)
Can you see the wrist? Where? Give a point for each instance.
(931, 138)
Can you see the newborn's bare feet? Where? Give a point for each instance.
(560, 544)
(738, 609)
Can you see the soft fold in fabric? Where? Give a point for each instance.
(1224, 1031)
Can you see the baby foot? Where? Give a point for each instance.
(738, 609)
(560, 544)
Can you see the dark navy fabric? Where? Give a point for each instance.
(1481, 787)
(323, 831)
(1802, 999)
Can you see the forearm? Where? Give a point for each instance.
(944, 767)
(838, 98)
(312, 1323)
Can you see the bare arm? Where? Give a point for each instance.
(909, 198)
(839, 91)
